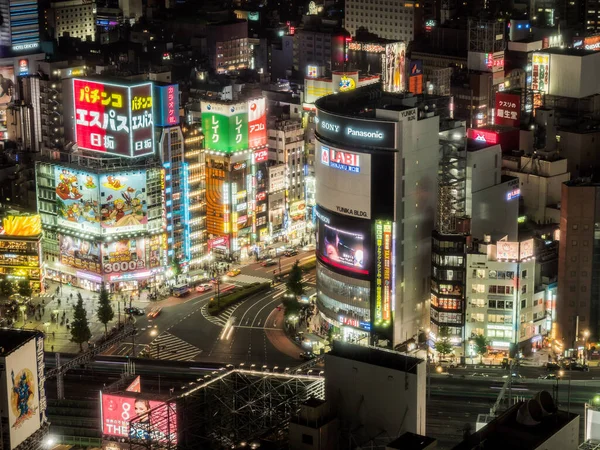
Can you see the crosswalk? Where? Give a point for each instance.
(45, 295)
(222, 318)
(249, 279)
(169, 347)
(310, 278)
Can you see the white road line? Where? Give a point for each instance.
(256, 315)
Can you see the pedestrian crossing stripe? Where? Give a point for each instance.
(222, 318)
(249, 279)
(171, 348)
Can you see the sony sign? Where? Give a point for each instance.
(356, 132)
(341, 160)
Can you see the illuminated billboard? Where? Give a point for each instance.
(392, 66)
(118, 411)
(342, 242)
(7, 89)
(261, 155)
(257, 123)
(114, 118)
(415, 77)
(166, 111)
(384, 285)
(344, 81)
(508, 109)
(123, 205)
(485, 136)
(355, 132)
(526, 249)
(21, 225)
(23, 392)
(77, 199)
(126, 255)
(225, 126)
(298, 209)
(80, 254)
(507, 250)
(540, 72)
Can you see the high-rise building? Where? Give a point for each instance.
(578, 308)
(395, 20)
(20, 27)
(376, 179)
(73, 18)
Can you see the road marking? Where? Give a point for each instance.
(251, 306)
(172, 348)
(258, 328)
(255, 317)
(279, 294)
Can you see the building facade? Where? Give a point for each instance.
(389, 20)
(73, 18)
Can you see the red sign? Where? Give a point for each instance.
(118, 410)
(349, 321)
(261, 155)
(257, 123)
(172, 113)
(508, 109)
(261, 196)
(218, 242)
(489, 137)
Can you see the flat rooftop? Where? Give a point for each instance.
(411, 441)
(375, 356)
(505, 432)
(12, 338)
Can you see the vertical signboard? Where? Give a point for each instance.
(508, 109)
(113, 118)
(7, 91)
(166, 110)
(257, 123)
(225, 126)
(238, 127)
(393, 66)
(540, 72)
(23, 389)
(415, 77)
(384, 272)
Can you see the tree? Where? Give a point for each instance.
(105, 311)
(443, 345)
(294, 282)
(24, 288)
(80, 329)
(291, 306)
(481, 345)
(6, 288)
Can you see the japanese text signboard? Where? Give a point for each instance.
(113, 118)
(508, 109)
(166, 113)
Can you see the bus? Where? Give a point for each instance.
(181, 289)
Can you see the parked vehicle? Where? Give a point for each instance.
(203, 287)
(135, 311)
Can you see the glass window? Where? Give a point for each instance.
(477, 288)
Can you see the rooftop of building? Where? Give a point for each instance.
(362, 103)
(591, 181)
(411, 441)
(375, 356)
(569, 51)
(12, 338)
(505, 432)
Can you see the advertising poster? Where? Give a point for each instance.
(540, 72)
(238, 127)
(113, 118)
(384, 279)
(344, 81)
(118, 410)
(507, 250)
(142, 120)
(393, 66)
(7, 89)
(508, 109)
(526, 249)
(23, 393)
(343, 242)
(257, 124)
(77, 201)
(415, 76)
(123, 202)
(126, 255)
(21, 225)
(298, 209)
(225, 126)
(80, 254)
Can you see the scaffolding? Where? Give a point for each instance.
(226, 410)
(486, 37)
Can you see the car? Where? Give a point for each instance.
(203, 287)
(234, 272)
(155, 312)
(515, 376)
(307, 356)
(552, 366)
(446, 364)
(479, 374)
(268, 262)
(290, 252)
(135, 311)
(550, 376)
(580, 367)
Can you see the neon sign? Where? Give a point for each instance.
(488, 137)
(513, 194)
(350, 162)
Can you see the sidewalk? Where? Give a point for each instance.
(58, 337)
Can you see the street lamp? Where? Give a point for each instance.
(586, 335)
(219, 281)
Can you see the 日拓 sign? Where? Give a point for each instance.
(341, 160)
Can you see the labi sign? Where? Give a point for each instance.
(356, 132)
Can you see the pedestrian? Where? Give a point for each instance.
(53, 335)
(52, 348)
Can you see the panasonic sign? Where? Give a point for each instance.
(356, 132)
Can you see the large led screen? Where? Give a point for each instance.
(126, 255)
(393, 67)
(343, 243)
(77, 199)
(123, 202)
(80, 254)
(22, 383)
(118, 411)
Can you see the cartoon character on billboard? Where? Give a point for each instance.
(22, 396)
(76, 197)
(67, 187)
(126, 205)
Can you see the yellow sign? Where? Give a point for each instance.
(22, 225)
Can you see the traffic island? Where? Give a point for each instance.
(216, 305)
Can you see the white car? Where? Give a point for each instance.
(203, 287)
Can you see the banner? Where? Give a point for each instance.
(123, 202)
(257, 124)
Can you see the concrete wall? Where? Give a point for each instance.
(492, 213)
